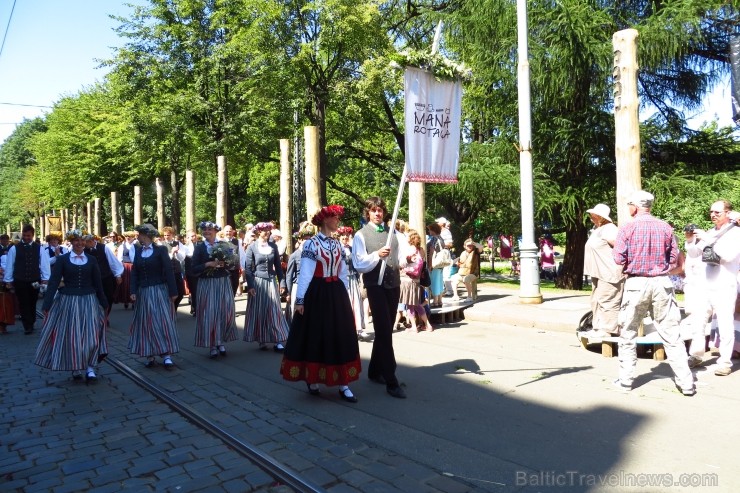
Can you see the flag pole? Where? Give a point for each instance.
(392, 228)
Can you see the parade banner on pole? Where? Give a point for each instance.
(432, 116)
(55, 224)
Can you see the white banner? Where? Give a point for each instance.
(432, 115)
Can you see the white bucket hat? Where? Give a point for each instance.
(601, 210)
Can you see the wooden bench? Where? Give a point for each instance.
(450, 312)
(609, 345)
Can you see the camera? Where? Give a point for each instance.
(689, 228)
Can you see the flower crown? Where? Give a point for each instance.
(264, 226)
(327, 211)
(345, 231)
(307, 231)
(74, 234)
(208, 224)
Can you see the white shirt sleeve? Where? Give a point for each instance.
(308, 266)
(44, 266)
(10, 264)
(362, 260)
(115, 265)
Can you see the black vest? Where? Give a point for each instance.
(99, 253)
(26, 267)
(375, 240)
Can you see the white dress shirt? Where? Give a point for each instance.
(10, 264)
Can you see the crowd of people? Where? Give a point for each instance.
(331, 285)
(337, 280)
(630, 268)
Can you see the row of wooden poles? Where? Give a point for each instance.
(90, 214)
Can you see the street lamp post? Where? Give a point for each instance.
(529, 277)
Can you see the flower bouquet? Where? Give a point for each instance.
(223, 251)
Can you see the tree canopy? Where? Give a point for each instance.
(194, 79)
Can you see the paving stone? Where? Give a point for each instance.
(74, 467)
(319, 476)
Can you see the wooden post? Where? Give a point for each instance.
(221, 192)
(114, 211)
(35, 226)
(160, 203)
(42, 231)
(189, 200)
(313, 200)
(416, 208)
(137, 205)
(626, 122)
(89, 218)
(96, 218)
(75, 217)
(286, 195)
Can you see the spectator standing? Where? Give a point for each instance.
(607, 279)
(647, 250)
(721, 279)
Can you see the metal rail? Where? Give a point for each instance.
(273, 467)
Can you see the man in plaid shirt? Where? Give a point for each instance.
(647, 250)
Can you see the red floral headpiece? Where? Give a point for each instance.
(345, 231)
(327, 211)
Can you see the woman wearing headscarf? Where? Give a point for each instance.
(322, 347)
(607, 280)
(73, 336)
(215, 314)
(264, 321)
(153, 289)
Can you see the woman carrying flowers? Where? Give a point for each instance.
(322, 346)
(215, 315)
(73, 336)
(153, 289)
(265, 321)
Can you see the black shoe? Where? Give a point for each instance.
(278, 348)
(90, 376)
(311, 391)
(214, 353)
(379, 379)
(222, 350)
(150, 363)
(28, 331)
(263, 347)
(396, 392)
(347, 398)
(77, 375)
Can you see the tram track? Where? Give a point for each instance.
(270, 465)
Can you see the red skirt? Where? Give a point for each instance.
(7, 308)
(122, 294)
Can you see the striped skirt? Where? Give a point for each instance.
(215, 314)
(121, 294)
(265, 321)
(153, 329)
(73, 336)
(355, 299)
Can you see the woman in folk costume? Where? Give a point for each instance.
(354, 287)
(215, 315)
(264, 321)
(73, 337)
(125, 253)
(153, 289)
(322, 345)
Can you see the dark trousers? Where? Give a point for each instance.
(27, 297)
(109, 289)
(234, 277)
(383, 305)
(180, 283)
(193, 288)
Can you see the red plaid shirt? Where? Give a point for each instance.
(646, 247)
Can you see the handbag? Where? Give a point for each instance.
(441, 259)
(425, 279)
(414, 270)
(708, 255)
